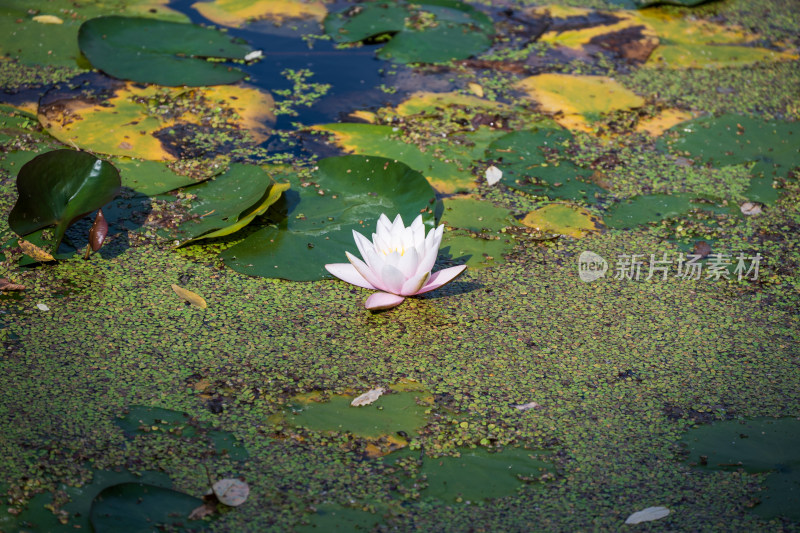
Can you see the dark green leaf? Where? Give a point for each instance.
(137, 507)
(157, 51)
(431, 31)
(348, 193)
(59, 187)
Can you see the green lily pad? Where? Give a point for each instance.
(337, 518)
(758, 445)
(32, 40)
(59, 187)
(531, 161)
(141, 420)
(474, 251)
(648, 208)
(448, 173)
(38, 516)
(430, 31)
(226, 204)
(162, 52)
(149, 177)
(345, 193)
(385, 417)
(475, 215)
(774, 147)
(138, 507)
(478, 474)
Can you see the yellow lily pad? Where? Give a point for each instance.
(422, 102)
(564, 219)
(123, 125)
(576, 101)
(681, 42)
(657, 125)
(237, 13)
(698, 43)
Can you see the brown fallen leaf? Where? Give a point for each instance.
(207, 509)
(34, 252)
(751, 208)
(6, 285)
(99, 231)
(191, 297)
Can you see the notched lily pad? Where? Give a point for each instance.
(59, 187)
(135, 507)
(162, 52)
(314, 226)
(533, 161)
(564, 219)
(757, 445)
(429, 31)
(773, 146)
(229, 202)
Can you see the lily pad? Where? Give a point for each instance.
(648, 208)
(339, 519)
(478, 474)
(563, 219)
(758, 445)
(237, 13)
(162, 52)
(137, 507)
(532, 161)
(577, 101)
(345, 194)
(473, 251)
(33, 42)
(124, 119)
(448, 174)
(774, 147)
(475, 215)
(226, 204)
(430, 31)
(385, 417)
(59, 187)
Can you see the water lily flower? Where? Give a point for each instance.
(397, 262)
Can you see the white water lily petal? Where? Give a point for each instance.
(493, 175)
(408, 263)
(347, 272)
(367, 251)
(398, 261)
(413, 285)
(366, 272)
(368, 397)
(647, 515)
(383, 300)
(392, 279)
(441, 278)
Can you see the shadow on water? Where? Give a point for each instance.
(353, 74)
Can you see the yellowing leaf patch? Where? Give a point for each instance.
(126, 124)
(563, 219)
(576, 101)
(237, 13)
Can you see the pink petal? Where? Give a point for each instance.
(347, 272)
(442, 277)
(365, 272)
(413, 285)
(383, 300)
